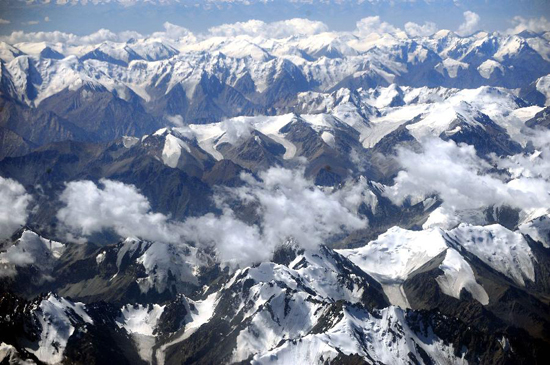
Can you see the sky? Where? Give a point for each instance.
(82, 17)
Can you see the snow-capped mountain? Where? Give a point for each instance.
(144, 80)
(327, 198)
(306, 306)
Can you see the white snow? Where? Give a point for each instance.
(172, 150)
(204, 309)
(385, 338)
(451, 66)
(31, 249)
(538, 229)
(543, 86)
(487, 68)
(509, 48)
(163, 261)
(8, 52)
(57, 327)
(529, 112)
(505, 251)
(10, 355)
(140, 322)
(129, 142)
(458, 275)
(236, 129)
(325, 59)
(328, 138)
(139, 319)
(395, 255)
(441, 218)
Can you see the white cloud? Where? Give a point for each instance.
(30, 249)
(470, 25)
(236, 129)
(112, 205)
(235, 242)
(14, 202)
(54, 37)
(373, 24)
(291, 205)
(280, 29)
(4, 21)
(181, 129)
(172, 31)
(534, 165)
(535, 25)
(462, 180)
(417, 30)
(287, 206)
(101, 35)
(31, 22)
(175, 120)
(69, 39)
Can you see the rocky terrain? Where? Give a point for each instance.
(328, 199)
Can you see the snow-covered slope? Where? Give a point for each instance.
(141, 323)
(30, 250)
(317, 316)
(397, 254)
(383, 337)
(57, 318)
(166, 266)
(364, 117)
(505, 251)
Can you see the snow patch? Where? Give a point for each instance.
(458, 275)
(487, 68)
(172, 150)
(141, 322)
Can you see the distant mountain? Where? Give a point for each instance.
(118, 89)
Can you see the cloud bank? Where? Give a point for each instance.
(171, 32)
(90, 208)
(271, 30)
(287, 205)
(278, 29)
(464, 181)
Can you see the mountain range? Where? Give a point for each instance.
(331, 199)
